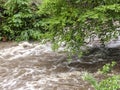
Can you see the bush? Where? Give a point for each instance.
(110, 83)
(19, 20)
(73, 21)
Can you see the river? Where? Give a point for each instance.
(35, 66)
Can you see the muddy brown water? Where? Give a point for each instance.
(28, 66)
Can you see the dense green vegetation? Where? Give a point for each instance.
(71, 21)
(19, 21)
(108, 83)
(74, 20)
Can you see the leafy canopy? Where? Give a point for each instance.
(75, 20)
(71, 21)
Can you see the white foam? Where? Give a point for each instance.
(25, 49)
(25, 77)
(114, 44)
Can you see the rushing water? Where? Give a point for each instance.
(34, 66)
(27, 66)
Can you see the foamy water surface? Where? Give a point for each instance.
(29, 66)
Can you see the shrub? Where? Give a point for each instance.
(74, 20)
(110, 83)
(20, 20)
(107, 68)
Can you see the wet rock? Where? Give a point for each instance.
(25, 44)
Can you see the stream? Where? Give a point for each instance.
(35, 66)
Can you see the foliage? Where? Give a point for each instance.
(75, 20)
(19, 21)
(110, 83)
(71, 21)
(107, 67)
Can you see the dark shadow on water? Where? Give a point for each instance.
(95, 58)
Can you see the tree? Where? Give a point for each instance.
(19, 20)
(75, 20)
